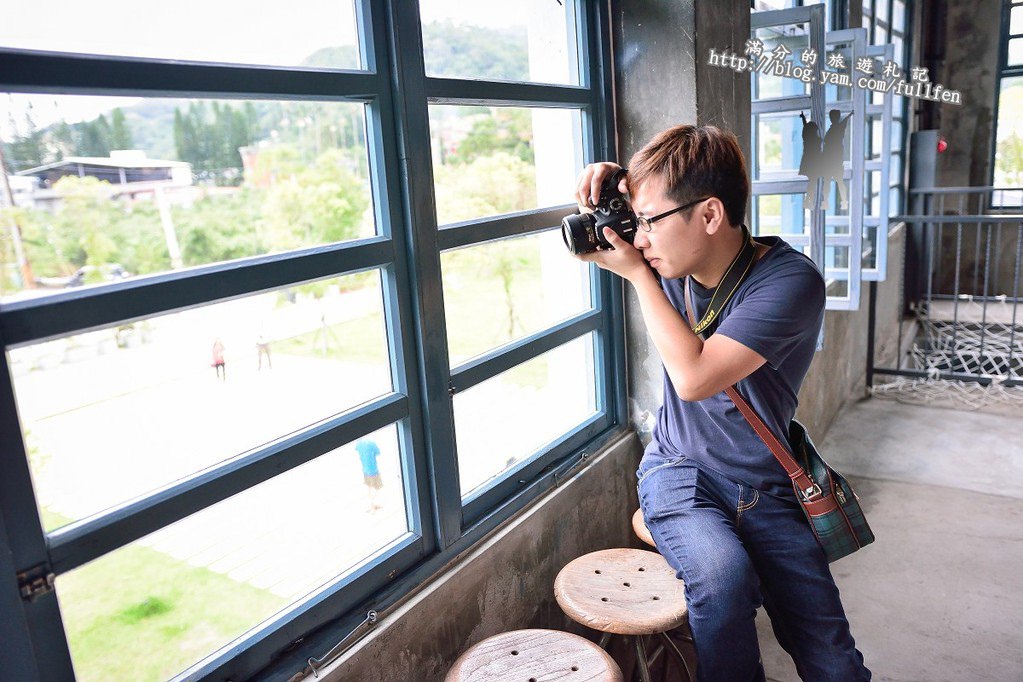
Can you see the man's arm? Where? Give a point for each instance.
(697, 369)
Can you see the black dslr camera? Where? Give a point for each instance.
(583, 232)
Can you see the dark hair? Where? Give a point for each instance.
(696, 162)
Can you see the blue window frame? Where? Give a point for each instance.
(406, 251)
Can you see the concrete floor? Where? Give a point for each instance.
(939, 594)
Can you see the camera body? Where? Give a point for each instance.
(584, 232)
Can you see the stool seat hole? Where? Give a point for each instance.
(604, 599)
(656, 598)
(641, 568)
(515, 653)
(575, 668)
(597, 571)
(627, 584)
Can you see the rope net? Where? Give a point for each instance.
(980, 341)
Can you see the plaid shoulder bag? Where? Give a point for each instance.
(828, 501)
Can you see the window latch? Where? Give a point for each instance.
(35, 582)
(318, 664)
(568, 469)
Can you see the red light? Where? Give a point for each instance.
(942, 144)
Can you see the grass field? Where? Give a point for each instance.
(138, 614)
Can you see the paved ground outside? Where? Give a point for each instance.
(108, 424)
(939, 595)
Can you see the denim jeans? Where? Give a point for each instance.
(737, 548)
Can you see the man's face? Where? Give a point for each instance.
(676, 244)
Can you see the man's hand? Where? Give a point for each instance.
(590, 180)
(626, 261)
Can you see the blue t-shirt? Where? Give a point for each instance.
(368, 452)
(777, 312)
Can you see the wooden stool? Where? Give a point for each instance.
(639, 526)
(535, 656)
(629, 592)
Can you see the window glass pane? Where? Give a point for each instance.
(1015, 52)
(1009, 145)
(504, 290)
(836, 256)
(150, 609)
(838, 288)
(780, 214)
(795, 38)
(504, 420)
(895, 201)
(493, 160)
(493, 40)
(1016, 20)
(322, 34)
(108, 188)
(112, 414)
(780, 144)
(875, 137)
(898, 16)
(881, 9)
(869, 247)
(767, 5)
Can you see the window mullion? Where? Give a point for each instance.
(413, 127)
(385, 174)
(35, 623)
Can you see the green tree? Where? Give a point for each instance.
(458, 51)
(502, 130)
(219, 228)
(84, 219)
(309, 205)
(94, 137)
(120, 133)
(27, 150)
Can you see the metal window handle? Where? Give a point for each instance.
(318, 664)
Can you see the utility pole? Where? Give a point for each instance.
(7, 201)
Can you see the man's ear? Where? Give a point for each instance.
(712, 213)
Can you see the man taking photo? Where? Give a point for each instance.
(719, 506)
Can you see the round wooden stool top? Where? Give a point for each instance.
(623, 591)
(535, 656)
(642, 532)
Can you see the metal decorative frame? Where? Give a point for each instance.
(797, 184)
(878, 223)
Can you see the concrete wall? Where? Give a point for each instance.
(970, 65)
(508, 582)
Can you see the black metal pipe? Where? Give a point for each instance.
(871, 326)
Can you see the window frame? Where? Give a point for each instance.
(1004, 71)
(396, 94)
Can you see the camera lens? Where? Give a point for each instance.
(578, 233)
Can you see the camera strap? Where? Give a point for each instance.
(733, 277)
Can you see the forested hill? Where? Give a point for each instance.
(208, 136)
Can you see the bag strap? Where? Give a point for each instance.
(810, 490)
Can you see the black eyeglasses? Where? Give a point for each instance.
(648, 223)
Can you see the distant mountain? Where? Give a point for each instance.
(451, 51)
